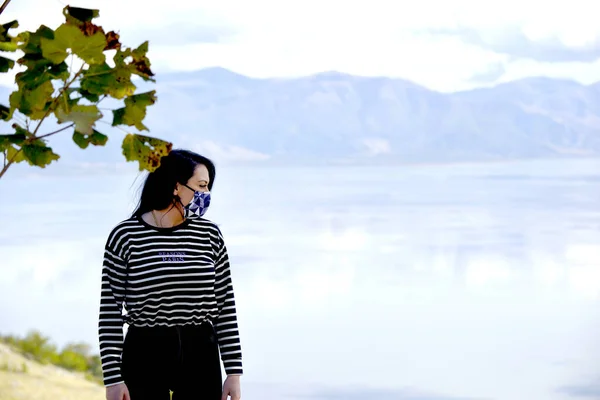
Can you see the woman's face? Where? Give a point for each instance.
(198, 182)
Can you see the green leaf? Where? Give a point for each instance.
(21, 131)
(32, 41)
(38, 154)
(98, 139)
(14, 100)
(41, 72)
(8, 42)
(4, 28)
(141, 51)
(142, 99)
(9, 46)
(66, 102)
(94, 98)
(89, 48)
(146, 150)
(5, 141)
(83, 140)
(121, 85)
(80, 139)
(33, 103)
(59, 71)
(97, 79)
(134, 111)
(83, 94)
(55, 49)
(121, 56)
(6, 64)
(31, 60)
(14, 154)
(80, 14)
(83, 116)
(8, 140)
(20, 139)
(119, 116)
(104, 80)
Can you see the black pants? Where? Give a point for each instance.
(184, 360)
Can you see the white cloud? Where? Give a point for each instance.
(375, 37)
(227, 153)
(487, 271)
(584, 273)
(44, 267)
(350, 240)
(377, 146)
(585, 73)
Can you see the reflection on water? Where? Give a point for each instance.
(429, 282)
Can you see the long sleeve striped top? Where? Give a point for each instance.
(166, 277)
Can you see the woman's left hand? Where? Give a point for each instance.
(231, 388)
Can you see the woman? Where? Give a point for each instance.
(169, 268)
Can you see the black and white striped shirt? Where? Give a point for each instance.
(168, 277)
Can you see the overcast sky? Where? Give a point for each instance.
(443, 44)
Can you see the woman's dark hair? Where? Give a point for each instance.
(176, 167)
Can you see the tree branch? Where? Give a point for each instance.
(3, 6)
(34, 137)
(6, 166)
(67, 85)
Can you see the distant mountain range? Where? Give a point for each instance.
(334, 116)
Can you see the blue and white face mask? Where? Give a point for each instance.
(198, 205)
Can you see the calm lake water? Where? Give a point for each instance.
(473, 281)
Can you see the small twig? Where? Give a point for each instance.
(18, 117)
(55, 132)
(70, 66)
(3, 6)
(118, 127)
(99, 74)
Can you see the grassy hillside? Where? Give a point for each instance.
(24, 379)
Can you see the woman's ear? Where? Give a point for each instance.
(176, 190)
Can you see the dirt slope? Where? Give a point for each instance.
(23, 379)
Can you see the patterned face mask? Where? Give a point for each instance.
(198, 205)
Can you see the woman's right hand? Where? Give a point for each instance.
(117, 392)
